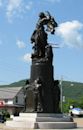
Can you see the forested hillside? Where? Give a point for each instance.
(72, 89)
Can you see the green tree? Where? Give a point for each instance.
(69, 102)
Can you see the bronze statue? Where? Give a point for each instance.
(48, 53)
(39, 36)
(37, 95)
(41, 90)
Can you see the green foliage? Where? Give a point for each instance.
(68, 103)
(72, 102)
(72, 90)
(19, 83)
(5, 113)
(81, 102)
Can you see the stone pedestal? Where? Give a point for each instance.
(44, 71)
(41, 121)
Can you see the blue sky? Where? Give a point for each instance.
(17, 22)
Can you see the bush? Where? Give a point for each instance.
(6, 114)
(72, 102)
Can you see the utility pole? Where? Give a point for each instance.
(61, 94)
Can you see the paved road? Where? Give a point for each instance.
(79, 121)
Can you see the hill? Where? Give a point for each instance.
(72, 90)
(16, 84)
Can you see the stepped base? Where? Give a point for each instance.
(41, 121)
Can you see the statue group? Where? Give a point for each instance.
(45, 90)
(39, 36)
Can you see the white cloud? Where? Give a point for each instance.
(12, 7)
(17, 8)
(27, 57)
(29, 5)
(71, 33)
(20, 44)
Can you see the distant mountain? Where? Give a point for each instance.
(16, 84)
(70, 89)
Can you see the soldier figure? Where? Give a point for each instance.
(37, 96)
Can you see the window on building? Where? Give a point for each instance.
(16, 99)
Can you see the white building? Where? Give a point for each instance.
(12, 99)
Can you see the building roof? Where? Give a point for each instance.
(9, 92)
